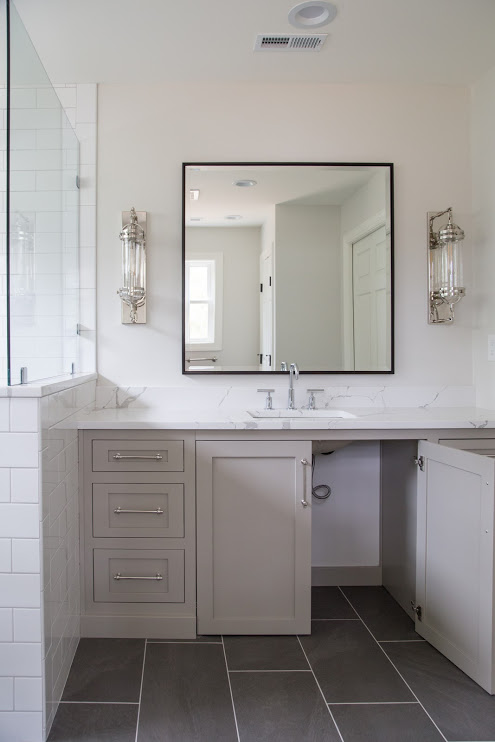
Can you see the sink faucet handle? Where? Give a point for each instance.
(268, 400)
(311, 400)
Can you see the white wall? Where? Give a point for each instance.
(140, 153)
(240, 247)
(308, 279)
(483, 233)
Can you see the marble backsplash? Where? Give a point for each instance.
(230, 398)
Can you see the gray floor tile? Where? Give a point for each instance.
(264, 653)
(350, 666)
(92, 722)
(381, 614)
(462, 710)
(385, 723)
(186, 695)
(281, 707)
(106, 670)
(328, 602)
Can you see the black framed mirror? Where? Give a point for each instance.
(288, 262)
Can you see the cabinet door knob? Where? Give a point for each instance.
(305, 462)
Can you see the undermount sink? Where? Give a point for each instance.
(302, 414)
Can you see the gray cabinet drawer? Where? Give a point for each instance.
(156, 575)
(138, 455)
(138, 510)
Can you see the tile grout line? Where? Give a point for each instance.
(373, 703)
(105, 703)
(141, 690)
(398, 641)
(319, 688)
(195, 643)
(232, 671)
(230, 688)
(395, 668)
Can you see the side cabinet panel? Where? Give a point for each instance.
(455, 558)
(254, 537)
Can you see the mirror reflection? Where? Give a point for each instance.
(288, 263)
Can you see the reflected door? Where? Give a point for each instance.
(371, 301)
(266, 311)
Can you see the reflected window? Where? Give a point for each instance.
(203, 302)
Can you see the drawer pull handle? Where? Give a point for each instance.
(156, 457)
(156, 577)
(120, 510)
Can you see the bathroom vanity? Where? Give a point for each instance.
(222, 510)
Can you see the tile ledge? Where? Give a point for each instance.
(45, 387)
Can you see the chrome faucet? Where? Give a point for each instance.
(293, 372)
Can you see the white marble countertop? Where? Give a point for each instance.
(410, 418)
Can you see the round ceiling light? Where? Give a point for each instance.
(312, 14)
(245, 183)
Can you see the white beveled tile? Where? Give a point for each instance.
(19, 591)
(5, 555)
(6, 694)
(21, 726)
(18, 449)
(26, 555)
(4, 414)
(86, 103)
(5, 485)
(27, 625)
(28, 694)
(24, 485)
(87, 228)
(19, 520)
(24, 415)
(6, 625)
(67, 96)
(21, 659)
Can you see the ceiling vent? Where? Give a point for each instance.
(289, 42)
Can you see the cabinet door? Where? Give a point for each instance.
(254, 537)
(455, 558)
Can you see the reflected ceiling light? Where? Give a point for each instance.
(312, 14)
(234, 217)
(194, 194)
(245, 183)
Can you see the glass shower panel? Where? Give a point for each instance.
(43, 285)
(3, 194)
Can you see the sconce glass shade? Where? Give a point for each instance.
(133, 291)
(446, 281)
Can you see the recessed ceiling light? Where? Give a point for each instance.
(196, 219)
(245, 183)
(312, 14)
(234, 217)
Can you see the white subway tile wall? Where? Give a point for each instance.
(39, 559)
(45, 262)
(39, 536)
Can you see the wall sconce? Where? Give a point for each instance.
(133, 291)
(445, 280)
